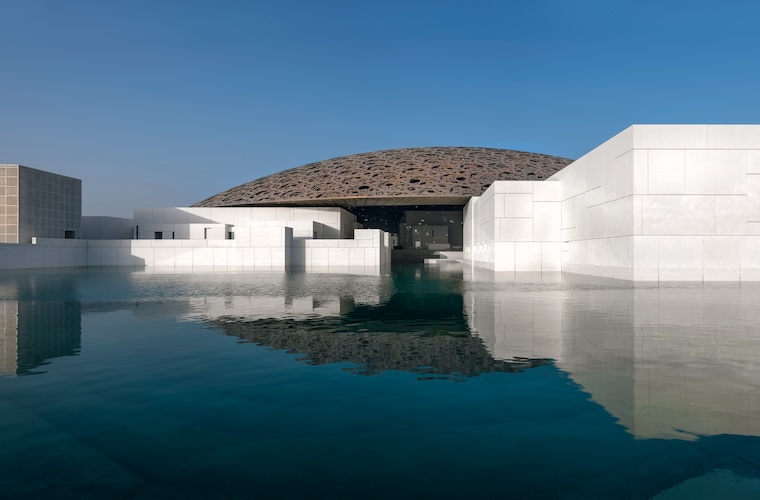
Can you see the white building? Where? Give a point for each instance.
(654, 203)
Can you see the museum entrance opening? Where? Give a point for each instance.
(418, 231)
(431, 230)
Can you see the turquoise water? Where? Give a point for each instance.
(424, 383)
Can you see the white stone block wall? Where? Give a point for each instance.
(665, 203)
(700, 226)
(599, 209)
(301, 229)
(189, 222)
(269, 248)
(45, 253)
(258, 247)
(347, 223)
(515, 227)
(369, 249)
(211, 231)
(654, 203)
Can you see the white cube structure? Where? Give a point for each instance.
(654, 203)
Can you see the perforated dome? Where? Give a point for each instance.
(412, 176)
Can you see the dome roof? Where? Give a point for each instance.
(412, 176)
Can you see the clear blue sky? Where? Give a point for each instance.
(163, 103)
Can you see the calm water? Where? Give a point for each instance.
(419, 384)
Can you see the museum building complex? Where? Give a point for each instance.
(653, 203)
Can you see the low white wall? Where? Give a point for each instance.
(262, 247)
(47, 253)
(370, 248)
(515, 227)
(272, 248)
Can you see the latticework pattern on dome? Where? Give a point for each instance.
(437, 175)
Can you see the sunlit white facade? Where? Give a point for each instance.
(654, 203)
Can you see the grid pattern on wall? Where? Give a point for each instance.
(49, 205)
(9, 203)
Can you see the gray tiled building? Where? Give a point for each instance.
(37, 203)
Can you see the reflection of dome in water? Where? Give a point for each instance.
(332, 340)
(421, 329)
(412, 176)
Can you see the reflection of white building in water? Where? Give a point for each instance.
(264, 296)
(666, 362)
(654, 203)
